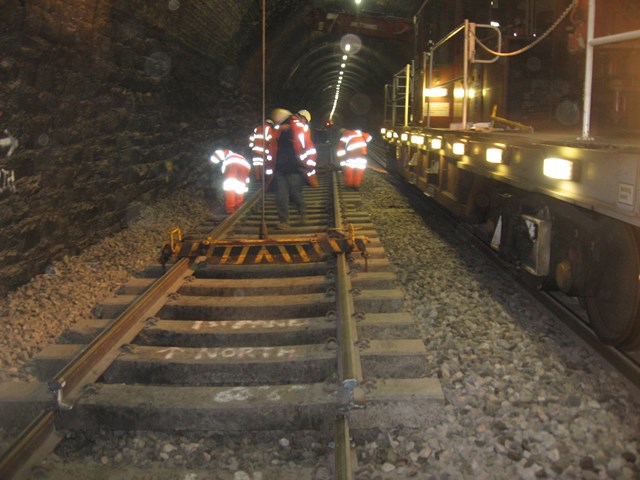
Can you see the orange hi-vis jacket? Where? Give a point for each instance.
(235, 174)
(352, 149)
(262, 149)
(303, 146)
(305, 149)
(235, 170)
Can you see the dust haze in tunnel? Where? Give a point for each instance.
(303, 63)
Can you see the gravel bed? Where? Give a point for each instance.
(34, 315)
(524, 399)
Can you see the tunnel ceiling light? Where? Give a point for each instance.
(347, 47)
(494, 155)
(458, 148)
(358, 2)
(436, 143)
(342, 65)
(558, 168)
(344, 57)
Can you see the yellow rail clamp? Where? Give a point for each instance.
(303, 249)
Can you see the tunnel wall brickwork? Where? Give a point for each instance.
(114, 103)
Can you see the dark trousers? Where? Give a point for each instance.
(289, 187)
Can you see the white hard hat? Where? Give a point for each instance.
(305, 114)
(279, 115)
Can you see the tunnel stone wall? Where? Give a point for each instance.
(114, 103)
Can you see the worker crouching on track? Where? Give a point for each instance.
(235, 172)
(352, 155)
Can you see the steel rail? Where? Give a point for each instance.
(39, 438)
(34, 442)
(349, 366)
(344, 462)
(112, 337)
(617, 358)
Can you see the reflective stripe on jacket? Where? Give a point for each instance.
(352, 148)
(260, 143)
(235, 170)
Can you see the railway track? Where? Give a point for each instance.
(292, 330)
(566, 309)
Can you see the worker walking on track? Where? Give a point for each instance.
(352, 155)
(261, 146)
(294, 160)
(235, 172)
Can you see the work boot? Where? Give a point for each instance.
(282, 226)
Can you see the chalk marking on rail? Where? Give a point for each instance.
(247, 324)
(235, 394)
(171, 352)
(231, 352)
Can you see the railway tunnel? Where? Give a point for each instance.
(115, 103)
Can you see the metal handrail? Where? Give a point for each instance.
(468, 28)
(392, 100)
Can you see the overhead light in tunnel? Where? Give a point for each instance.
(358, 2)
(350, 44)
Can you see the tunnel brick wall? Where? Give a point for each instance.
(114, 103)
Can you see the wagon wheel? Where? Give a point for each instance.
(614, 301)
